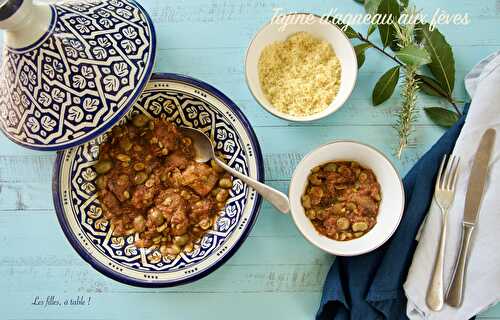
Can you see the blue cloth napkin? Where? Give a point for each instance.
(370, 286)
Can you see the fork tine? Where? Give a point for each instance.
(453, 181)
(440, 173)
(448, 172)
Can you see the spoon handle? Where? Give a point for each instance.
(277, 198)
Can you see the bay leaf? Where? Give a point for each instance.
(442, 66)
(404, 3)
(347, 29)
(371, 6)
(360, 53)
(430, 86)
(441, 116)
(391, 9)
(371, 28)
(384, 88)
(413, 55)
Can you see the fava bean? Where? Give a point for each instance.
(156, 217)
(343, 223)
(103, 166)
(205, 224)
(173, 250)
(181, 240)
(222, 195)
(362, 177)
(311, 214)
(186, 194)
(123, 157)
(351, 206)
(359, 226)
(331, 167)
(139, 166)
(188, 247)
(140, 177)
(140, 120)
(315, 179)
(125, 144)
(306, 201)
(162, 228)
(149, 183)
(225, 183)
(157, 239)
(101, 182)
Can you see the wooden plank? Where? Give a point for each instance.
(234, 28)
(274, 246)
(241, 278)
(296, 305)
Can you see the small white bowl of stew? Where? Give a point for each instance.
(346, 198)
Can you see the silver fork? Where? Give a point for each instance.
(444, 194)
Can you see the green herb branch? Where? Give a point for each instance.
(426, 80)
(415, 46)
(406, 116)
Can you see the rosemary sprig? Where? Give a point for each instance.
(406, 116)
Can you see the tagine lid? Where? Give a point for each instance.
(73, 71)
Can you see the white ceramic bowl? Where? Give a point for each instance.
(391, 206)
(319, 28)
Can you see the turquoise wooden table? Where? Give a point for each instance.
(276, 274)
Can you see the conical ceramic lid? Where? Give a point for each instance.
(71, 70)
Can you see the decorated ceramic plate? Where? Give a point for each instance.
(186, 102)
(78, 79)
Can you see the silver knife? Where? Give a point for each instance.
(473, 199)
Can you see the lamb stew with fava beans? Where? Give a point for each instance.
(150, 186)
(342, 200)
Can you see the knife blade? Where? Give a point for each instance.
(473, 198)
(478, 175)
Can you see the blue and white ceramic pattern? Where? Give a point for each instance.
(80, 77)
(186, 102)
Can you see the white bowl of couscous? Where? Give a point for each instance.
(300, 67)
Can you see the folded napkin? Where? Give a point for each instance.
(370, 286)
(482, 282)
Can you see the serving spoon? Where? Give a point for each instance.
(205, 152)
